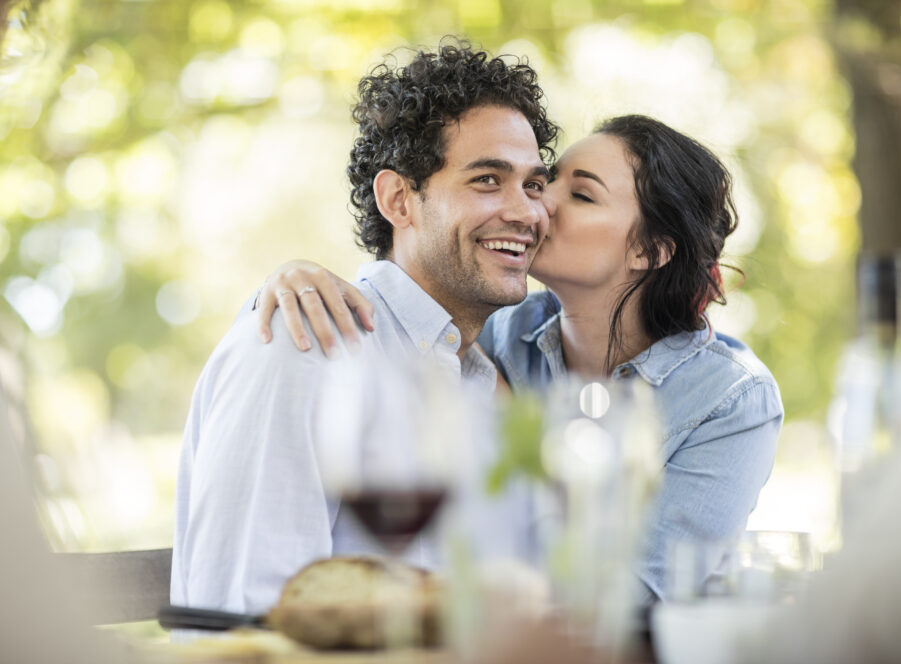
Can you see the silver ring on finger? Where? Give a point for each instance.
(283, 292)
(304, 291)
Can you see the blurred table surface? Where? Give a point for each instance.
(535, 643)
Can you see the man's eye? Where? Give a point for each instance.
(486, 179)
(536, 186)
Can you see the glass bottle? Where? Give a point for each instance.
(864, 418)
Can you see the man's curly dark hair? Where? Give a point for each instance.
(402, 111)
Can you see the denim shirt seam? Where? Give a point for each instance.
(679, 361)
(729, 355)
(728, 400)
(738, 392)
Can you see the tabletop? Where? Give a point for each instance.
(536, 642)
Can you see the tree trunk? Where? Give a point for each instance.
(873, 70)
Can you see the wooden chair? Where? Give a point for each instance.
(128, 585)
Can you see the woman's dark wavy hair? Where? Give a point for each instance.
(402, 111)
(685, 200)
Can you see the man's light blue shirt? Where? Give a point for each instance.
(719, 406)
(250, 504)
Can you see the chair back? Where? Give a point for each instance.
(129, 585)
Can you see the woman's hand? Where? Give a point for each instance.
(307, 286)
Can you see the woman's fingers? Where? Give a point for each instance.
(301, 286)
(360, 305)
(287, 300)
(312, 305)
(334, 299)
(265, 306)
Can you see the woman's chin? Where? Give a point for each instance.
(539, 274)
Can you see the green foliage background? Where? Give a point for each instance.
(158, 159)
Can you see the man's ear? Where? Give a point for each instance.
(666, 248)
(392, 192)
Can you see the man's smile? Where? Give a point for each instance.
(510, 249)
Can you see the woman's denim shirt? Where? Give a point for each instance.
(720, 412)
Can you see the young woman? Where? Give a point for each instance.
(639, 216)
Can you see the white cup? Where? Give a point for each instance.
(714, 631)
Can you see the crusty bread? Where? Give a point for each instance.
(343, 602)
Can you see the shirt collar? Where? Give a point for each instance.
(654, 364)
(663, 357)
(425, 322)
(419, 315)
(551, 325)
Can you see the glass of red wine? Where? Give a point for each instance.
(385, 435)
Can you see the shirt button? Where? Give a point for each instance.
(451, 338)
(423, 345)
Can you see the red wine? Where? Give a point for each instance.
(394, 517)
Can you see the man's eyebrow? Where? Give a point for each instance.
(495, 164)
(542, 171)
(578, 173)
(503, 165)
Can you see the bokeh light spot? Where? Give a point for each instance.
(87, 180)
(210, 21)
(301, 97)
(36, 303)
(263, 37)
(70, 408)
(479, 13)
(36, 199)
(121, 362)
(594, 400)
(178, 302)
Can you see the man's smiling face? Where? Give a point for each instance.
(479, 220)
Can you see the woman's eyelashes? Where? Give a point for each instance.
(582, 197)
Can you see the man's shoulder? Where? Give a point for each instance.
(240, 354)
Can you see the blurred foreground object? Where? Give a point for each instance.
(864, 419)
(851, 610)
(711, 619)
(601, 445)
(44, 617)
(344, 603)
(128, 586)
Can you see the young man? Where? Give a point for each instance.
(447, 178)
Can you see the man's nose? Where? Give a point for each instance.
(521, 208)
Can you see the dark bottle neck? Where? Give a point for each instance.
(877, 297)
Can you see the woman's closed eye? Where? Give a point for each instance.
(582, 197)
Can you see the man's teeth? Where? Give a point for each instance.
(518, 247)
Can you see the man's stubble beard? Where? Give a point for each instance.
(458, 275)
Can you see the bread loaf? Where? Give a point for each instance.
(356, 602)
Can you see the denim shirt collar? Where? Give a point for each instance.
(653, 364)
(656, 363)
